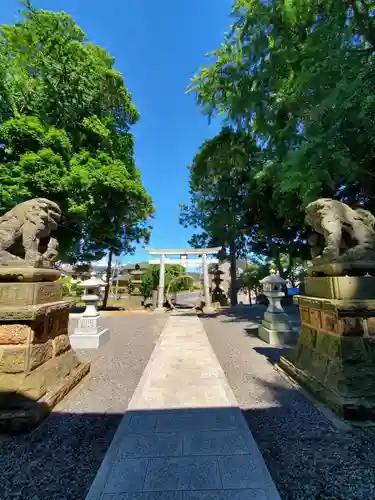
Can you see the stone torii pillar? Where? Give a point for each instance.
(161, 282)
(202, 252)
(206, 284)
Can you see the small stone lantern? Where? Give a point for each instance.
(275, 328)
(136, 279)
(218, 294)
(89, 334)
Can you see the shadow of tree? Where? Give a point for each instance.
(308, 457)
(250, 313)
(273, 353)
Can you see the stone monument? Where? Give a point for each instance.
(89, 334)
(335, 354)
(218, 295)
(37, 365)
(275, 328)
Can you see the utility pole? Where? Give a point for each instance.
(117, 268)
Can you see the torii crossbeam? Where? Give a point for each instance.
(203, 252)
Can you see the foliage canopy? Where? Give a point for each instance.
(297, 77)
(65, 118)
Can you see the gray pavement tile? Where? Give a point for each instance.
(253, 494)
(200, 419)
(127, 475)
(307, 457)
(59, 459)
(241, 472)
(216, 443)
(142, 422)
(185, 473)
(151, 445)
(153, 495)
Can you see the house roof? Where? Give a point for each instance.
(131, 267)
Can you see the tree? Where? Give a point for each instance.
(252, 276)
(300, 76)
(65, 119)
(150, 280)
(232, 200)
(221, 178)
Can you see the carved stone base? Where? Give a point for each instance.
(335, 354)
(276, 330)
(341, 287)
(89, 340)
(220, 297)
(19, 410)
(349, 408)
(36, 359)
(89, 334)
(23, 273)
(344, 268)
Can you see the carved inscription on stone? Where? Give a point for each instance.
(15, 294)
(329, 322)
(87, 323)
(305, 315)
(49, 292)
(315, 320)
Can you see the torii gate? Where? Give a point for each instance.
(185, 251)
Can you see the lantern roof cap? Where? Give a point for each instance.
(93, 281)
(137, 272)
(273, 279)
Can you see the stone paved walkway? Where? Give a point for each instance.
(183, 436)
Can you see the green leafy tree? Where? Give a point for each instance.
(252, 276)
(232, 201)
(300, 76)
(65, 119)
(222, 180)
(70, 288)
(150, 279)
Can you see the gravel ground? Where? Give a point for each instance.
(308, 458)
(59, 460)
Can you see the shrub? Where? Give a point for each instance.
(70, 287)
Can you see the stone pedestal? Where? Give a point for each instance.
(89, 334)
(37, 365)
(335, 354)
(275, 328)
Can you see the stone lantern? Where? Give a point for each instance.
(136, 279)
(275, 328)
(89, 334)
(218, 294)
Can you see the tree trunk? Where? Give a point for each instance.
(276, 253)
(248, 287)
(108, 279)
(233, 273)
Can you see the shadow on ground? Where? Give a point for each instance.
(61, 457)
(80, 309)
(242, 313)
(309, 458)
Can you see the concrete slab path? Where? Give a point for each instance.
(183, 436)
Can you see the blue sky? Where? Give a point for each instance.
(157, 46)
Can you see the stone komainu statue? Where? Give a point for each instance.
(25, 234)
(340, 232)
